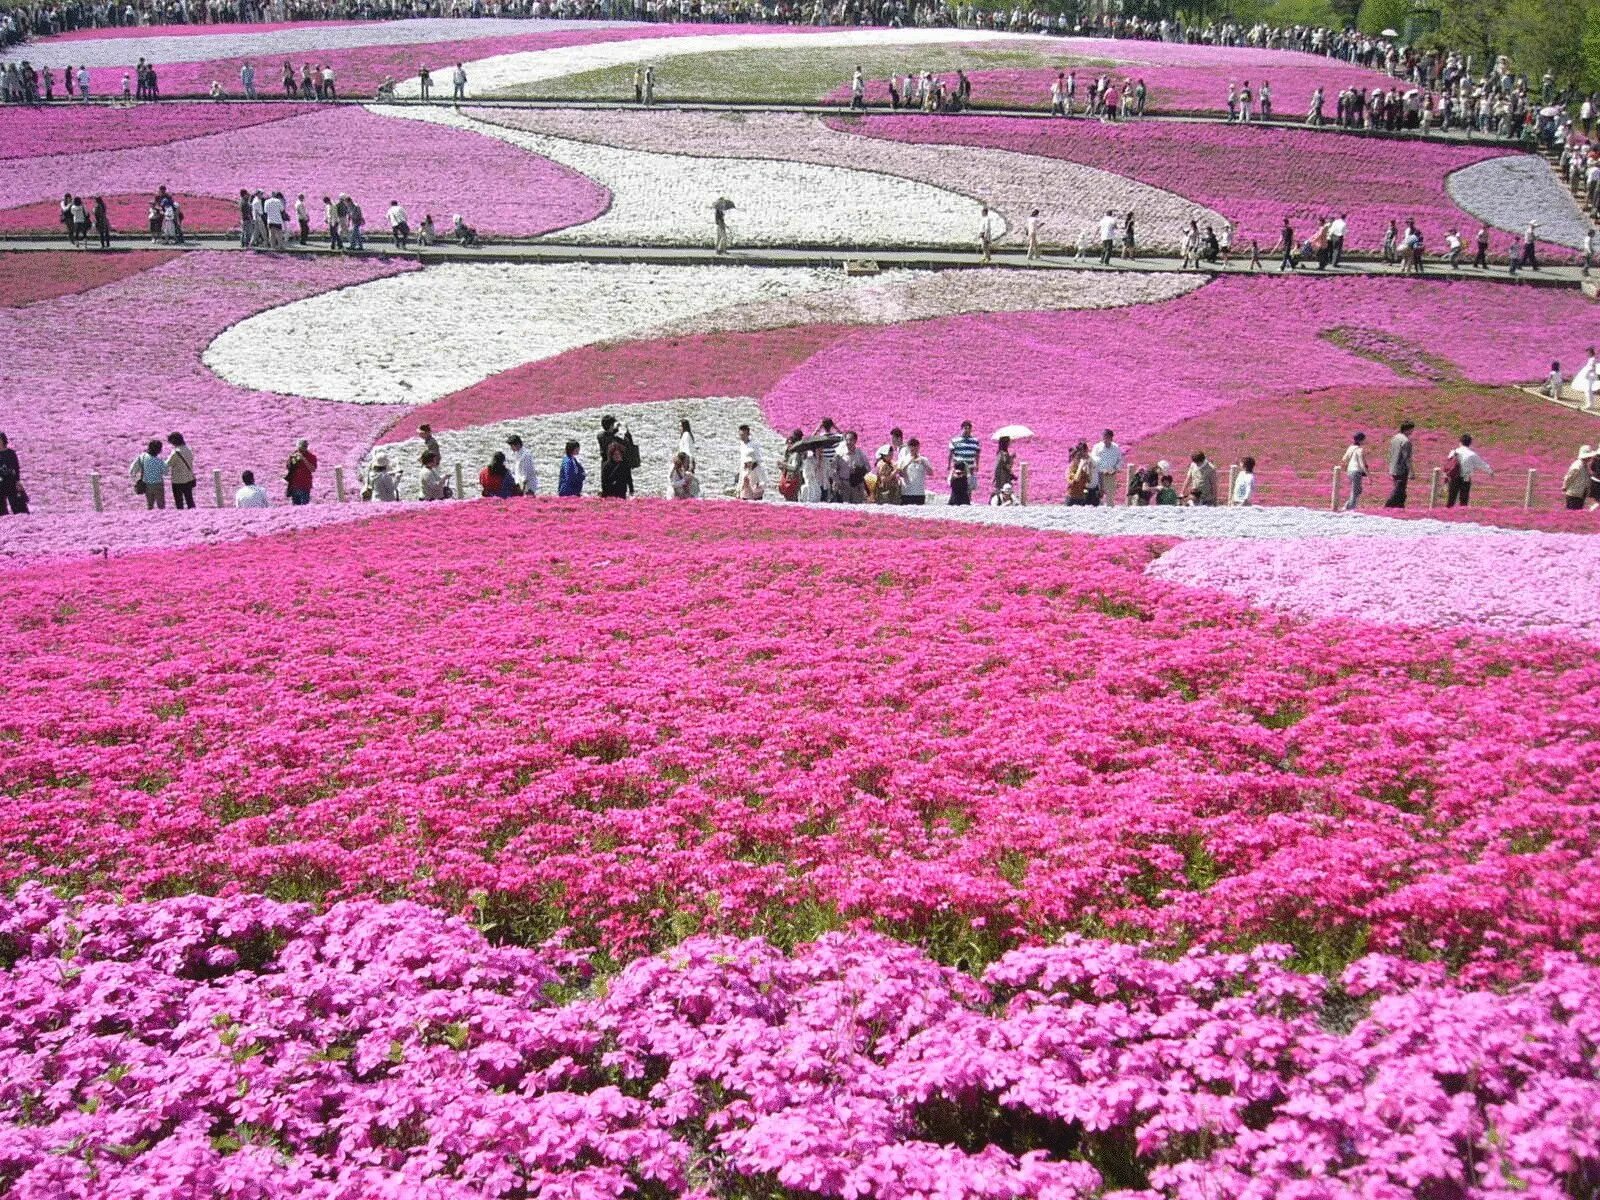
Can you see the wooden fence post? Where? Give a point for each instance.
(216, 486)
(461, 483)
(1338, 475)
(1022, 482)
(338, 483)
(94, 490)
(1233, 475)
(1527, 492)
(1433, 489)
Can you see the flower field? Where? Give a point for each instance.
(730, 724)
(594, 849)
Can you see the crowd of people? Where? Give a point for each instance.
(832, 465)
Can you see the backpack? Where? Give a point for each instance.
(630, 452)
(1452, 467)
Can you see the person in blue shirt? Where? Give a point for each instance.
(572, 473)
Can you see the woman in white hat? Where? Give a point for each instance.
(382, 483)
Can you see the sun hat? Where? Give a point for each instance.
(383, 462)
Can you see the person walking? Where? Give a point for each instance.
(1005, 469)
(302, 218)
(1354, 465)
(1286, 245)
(1107, 459)
(1033, 235)
(1400, 452)
(1529, 257)
(1462, 465)
(432, 485)
(102, 223)
(719, 214)
(299, 473)
(458, 84)
(986, 232)
(330, 220)
(1108, 237)
(399, 225)
(527, 473)
(1480, 258)
(1574, 484)
(1127, 237)
(149, 475)
(425, 80)
(913, 469)
(495, 481)
(180, 470)
(12, 496)
(965, 450)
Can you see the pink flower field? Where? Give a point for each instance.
(932, 830)
(82, 400)
(1145, 368)
(605, 849)
(320, 152)
(1254, 177)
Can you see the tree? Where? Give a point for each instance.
(1377, 15)
(1475, 27)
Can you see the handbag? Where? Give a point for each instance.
(139, 485)
(789, 485)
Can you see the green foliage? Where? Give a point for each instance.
(1377, 15)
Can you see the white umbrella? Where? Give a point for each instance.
(1015, 432)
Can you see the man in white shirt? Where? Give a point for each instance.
(1106, 458)
(1336, 232)
(748, 450)
(459, 83)
(247, 77)
(272, 209)
(258, 218)
(250, 495)
(399, 225)
(1465, 463)
(302, 218)
(1108, 237)
(913, 470)
(522, 466)
(895, 447)
(1586, 381)
(986, 232)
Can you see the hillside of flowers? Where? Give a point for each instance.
(1030, 874)
(604, 849)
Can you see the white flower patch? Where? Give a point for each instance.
(1510, 191)
(655, 427)
(274, 45)
(503, 71)
(413, 339)
(665, 199)
(899, 296)
(1203, 523)
(1070, 197)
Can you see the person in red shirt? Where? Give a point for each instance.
(300, 472)
(495, 479)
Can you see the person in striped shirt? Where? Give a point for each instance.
(965, 450)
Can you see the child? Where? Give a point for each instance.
(960, 485)
(1167, 494)
(1244, 483)
(1552, 386)
(1004, 498)
(1255, 255)
(127, 91)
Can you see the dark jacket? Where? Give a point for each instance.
(616, 479)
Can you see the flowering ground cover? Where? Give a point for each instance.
(1511, 190)
(128, 215)
(361, 54)
(375, 1049)
(1069, 199)
(1460, 581)
(38, 132)
(1147, 368)
(29, 278)
(324, 152)
(1190, 79)
(363, 727)
(1255, 177)
(81, 397)
(1298, 438)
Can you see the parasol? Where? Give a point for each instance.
(818, 441)
(1015, 432)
